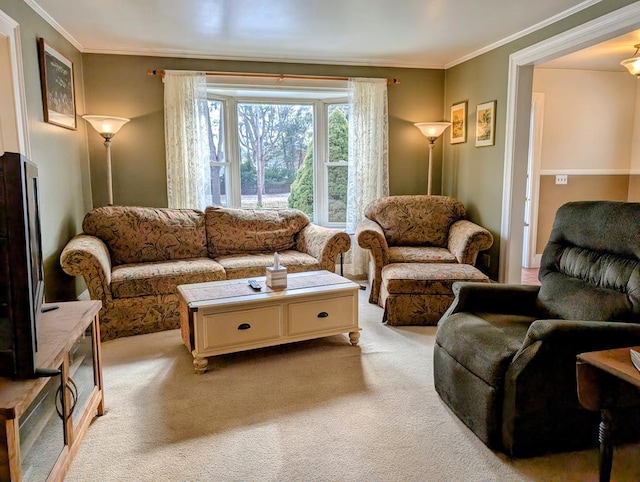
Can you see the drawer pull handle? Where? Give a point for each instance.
(244, 326)
(323, 314)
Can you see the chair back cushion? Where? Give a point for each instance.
(416, 220)
(237, 230)
(590, 269)
(143, 234)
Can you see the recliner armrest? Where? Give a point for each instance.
(493, 298)
(583, 335)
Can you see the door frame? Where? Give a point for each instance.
(531, 259)
(10, 29)
(519, 91)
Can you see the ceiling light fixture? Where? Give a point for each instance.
(633, 64)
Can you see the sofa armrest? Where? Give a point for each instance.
(467, 239)
(88, 256)
(370, 235)
(324, 244)
(493, 298)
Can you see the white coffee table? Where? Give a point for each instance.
(229, 316)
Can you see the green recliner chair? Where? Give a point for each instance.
(505, 355)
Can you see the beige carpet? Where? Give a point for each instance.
(310, 411)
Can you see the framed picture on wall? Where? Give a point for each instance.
(56, 78)
(486, 124)
(458, 131)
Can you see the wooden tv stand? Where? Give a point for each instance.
(41, 424)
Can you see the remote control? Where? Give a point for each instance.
(255, 285)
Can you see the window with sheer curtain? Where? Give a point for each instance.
(317, 146)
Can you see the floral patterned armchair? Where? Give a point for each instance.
(418, 229)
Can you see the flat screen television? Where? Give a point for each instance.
(21, 266)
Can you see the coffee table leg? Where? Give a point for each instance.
(200, 364)
(354, 337)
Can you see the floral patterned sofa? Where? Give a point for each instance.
(417, 229)
(133, 258)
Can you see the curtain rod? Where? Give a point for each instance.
(269, 76)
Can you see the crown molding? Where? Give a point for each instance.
(349, 62)
(522, 33)
(51, 21)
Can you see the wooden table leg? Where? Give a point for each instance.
(606, 448)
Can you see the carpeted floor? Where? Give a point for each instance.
(310, 411)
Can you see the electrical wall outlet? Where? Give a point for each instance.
(561, 178)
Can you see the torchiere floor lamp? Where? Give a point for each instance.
(107, 127)
(431, 130)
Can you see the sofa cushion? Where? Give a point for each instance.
(143, 234)
(162, 277)
(254, 264)
(408, 254)
(416, 220)
(237, 230)
(428, 278)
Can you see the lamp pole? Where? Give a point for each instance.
(107, 144)
(431, 130)
(432, 143)
(107, 127)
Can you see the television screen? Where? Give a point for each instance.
(36, 271)
(21, 266)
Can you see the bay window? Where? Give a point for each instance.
(275, 147)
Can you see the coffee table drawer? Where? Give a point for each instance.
(238, 327)
(321, 315)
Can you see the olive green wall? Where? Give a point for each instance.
(119, 85)
(60, 154)
(475, 174)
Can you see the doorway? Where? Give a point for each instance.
(518, 121)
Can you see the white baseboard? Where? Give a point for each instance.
(536, 260)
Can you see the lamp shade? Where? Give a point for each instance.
(107, 126)
(432, 130)
(633, 64)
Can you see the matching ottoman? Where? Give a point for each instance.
(420, 293)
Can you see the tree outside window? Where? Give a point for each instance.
(275, 156)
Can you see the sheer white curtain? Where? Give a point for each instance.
(368, 155)
(186, 139)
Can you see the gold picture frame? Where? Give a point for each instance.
(458, 131)
(57, 81)
(486, 124)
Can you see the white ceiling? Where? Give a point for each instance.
(605, 56)
(399, 33)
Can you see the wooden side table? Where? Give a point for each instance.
(607, 381)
